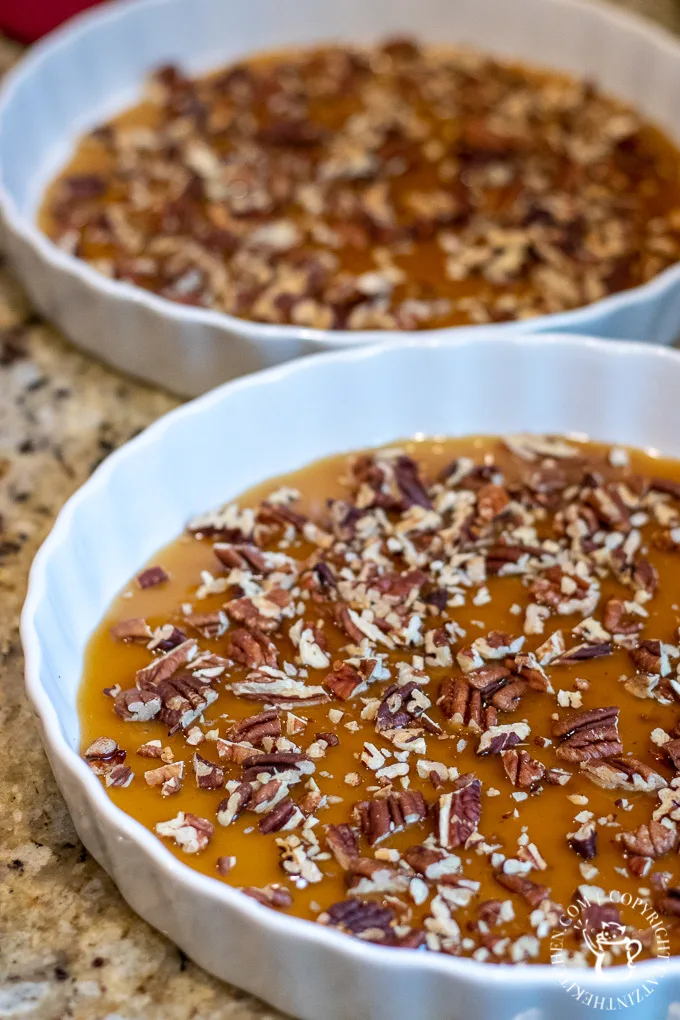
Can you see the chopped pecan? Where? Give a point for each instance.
(252, 648)
(579, 653)
(400, 706)
(521, 769)
(231, 807)
(208, 775)
(669, 904)
(184, 697)
(272, 895)
(255, 728)
(135, 705)
(459, 811)
(462, 704)
(487, 679)
(277, 688)
(614, 618)
(647, 657)
(343, 844)
(163, 667)
(209, 625)
(617, 773)
(152, 576)
(135, 629)
(588, 734)
(262, 613)
(119, 775)
(652, 840)
(285, 815)
(343, 681)
(360, 916)
(509, 696)
(381, 817)
(189, 832)
(346, 624)
(584, 841)
(532, 892)
(497, 739)
(242, 556)
(492, 501)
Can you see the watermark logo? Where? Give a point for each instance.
(594, 922)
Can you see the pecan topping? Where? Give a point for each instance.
(459, 812)
(137, 706)
(152, 576)
(533, 893)
(623, 774)
(521, 769)
(343, 681)
(285, 815)
(231, 807)
(381, 817)
(343, 844)
(652, 840)
(462, 704)
(584, 841)
(255, 728)
(208, 776)
(497, 739)
(588, 734)
(276, 896)
(252, 648)
(189, 832)
(361, 916)
(136, 629)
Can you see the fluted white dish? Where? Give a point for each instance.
(96, 65)
(205, 453)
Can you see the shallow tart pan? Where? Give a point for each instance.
(96, 66)
(278, 420)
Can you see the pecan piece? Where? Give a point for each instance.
(252, 648)
(579, 653)
(584, 841)
(618, 773)
(231, 807)
(532, 892)
(135, 629)
(189, 832)
(184, 698)
(343, 681)
(285, 815)
(152, 576)
(521, 769)
(255, 728)
(242, 556)
(652, 840)
(137, 706)
(647, 658)
(487, 679)
(497, 739)
(459, 811)
(343, 844)
(208, 775)
(588, 734)
(163, 667)
(360, 917)
(262, 613)
(272, 895)
(381, 817)
(400, 706)
(462, 704)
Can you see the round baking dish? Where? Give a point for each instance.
(142, 496)
(95, 66)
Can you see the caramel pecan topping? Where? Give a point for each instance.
(255, 728)
(588, 734)
(653, 840)
(343, 844)
(459, 812)
(521, 769)
(151, 577)
(462, 704)
(532, 892)
(381, 817)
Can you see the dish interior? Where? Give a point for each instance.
(542, 829)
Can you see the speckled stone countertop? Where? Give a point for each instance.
(69, 945)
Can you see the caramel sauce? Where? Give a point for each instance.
(643, 180)
(547, 816)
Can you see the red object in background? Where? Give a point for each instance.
(28, 20)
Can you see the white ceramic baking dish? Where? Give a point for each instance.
(95, 66)
(207, 452)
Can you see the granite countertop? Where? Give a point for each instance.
(69, 945)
